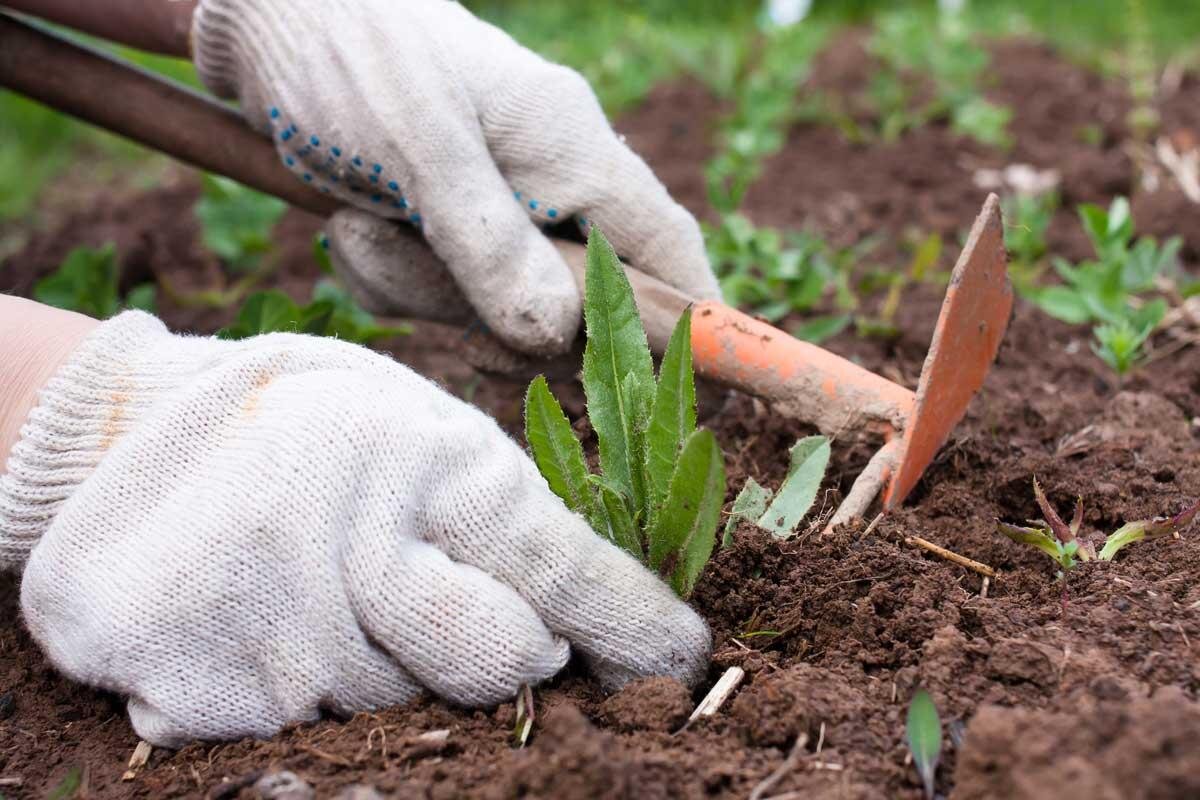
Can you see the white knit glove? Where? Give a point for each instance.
(237, 535)
(416, 110)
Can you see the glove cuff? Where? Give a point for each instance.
(90, 402)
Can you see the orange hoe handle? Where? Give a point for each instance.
(799, 379)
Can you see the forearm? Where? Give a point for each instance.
(35, 340)
(160, 26)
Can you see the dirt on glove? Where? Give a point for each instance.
(834, 632)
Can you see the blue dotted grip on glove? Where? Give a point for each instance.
(360, 178)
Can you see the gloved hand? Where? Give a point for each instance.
(236, 535)
(418, 111)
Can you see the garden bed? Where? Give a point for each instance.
(1098, 702)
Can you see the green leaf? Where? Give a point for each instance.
(86, 282)
(263, 312)
(682, 536)
(795, 497)
(143, 297)
(750, 504)
(620, 527)
(616, 347)
(556, 451)
(924, 730)
(1132, 532)
(673, 417)
(1063, 303)
(1041, 538)
(236, 221)
(818, 329)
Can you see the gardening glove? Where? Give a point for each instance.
(418, 111)
(239, 535)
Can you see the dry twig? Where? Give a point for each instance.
(789, 764)
(950, 555)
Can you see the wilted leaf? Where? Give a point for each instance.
(1040, 538)
(924, 731)
(1059, 528)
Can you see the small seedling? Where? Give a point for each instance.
(924, 732)
(911, 48)
(1063, 543)
(1112, 291)
(780, 514)
(87, 282)
(236, 222)
(332, 312)
(775, 274)
(662, 481)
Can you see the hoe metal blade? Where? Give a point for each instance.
(969, 330)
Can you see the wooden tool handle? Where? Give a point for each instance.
(196, 129)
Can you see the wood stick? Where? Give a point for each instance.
(950, 555)
(719, 693)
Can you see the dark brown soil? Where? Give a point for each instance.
(834, 632)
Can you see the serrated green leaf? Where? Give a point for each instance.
(795, 497)
(638, 397)
(673, 416)
(616, 347)
(684, 530)
(556, 450)
(924, 731)
(750, 504)
(620, 528)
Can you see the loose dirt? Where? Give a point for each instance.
(834, 632)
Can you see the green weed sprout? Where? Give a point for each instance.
(780, 514)
(236, 221)
(662, 481)
(332, 312)
(775, 274)
(1063, 544)
(87, 281)
(923, 728)
(1110, 291)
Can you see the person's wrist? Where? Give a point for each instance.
(35, 340)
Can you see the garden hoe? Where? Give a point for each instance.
(797, 379)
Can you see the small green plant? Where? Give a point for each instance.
(780, 514)
(1027, 218)
(87, 281)
(775, 274)
(1113, 291)
(910, 48)
(766, 106)
(236, 222)
(923, 729)
(1063, 544)
(332, 312)
(662, 480)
